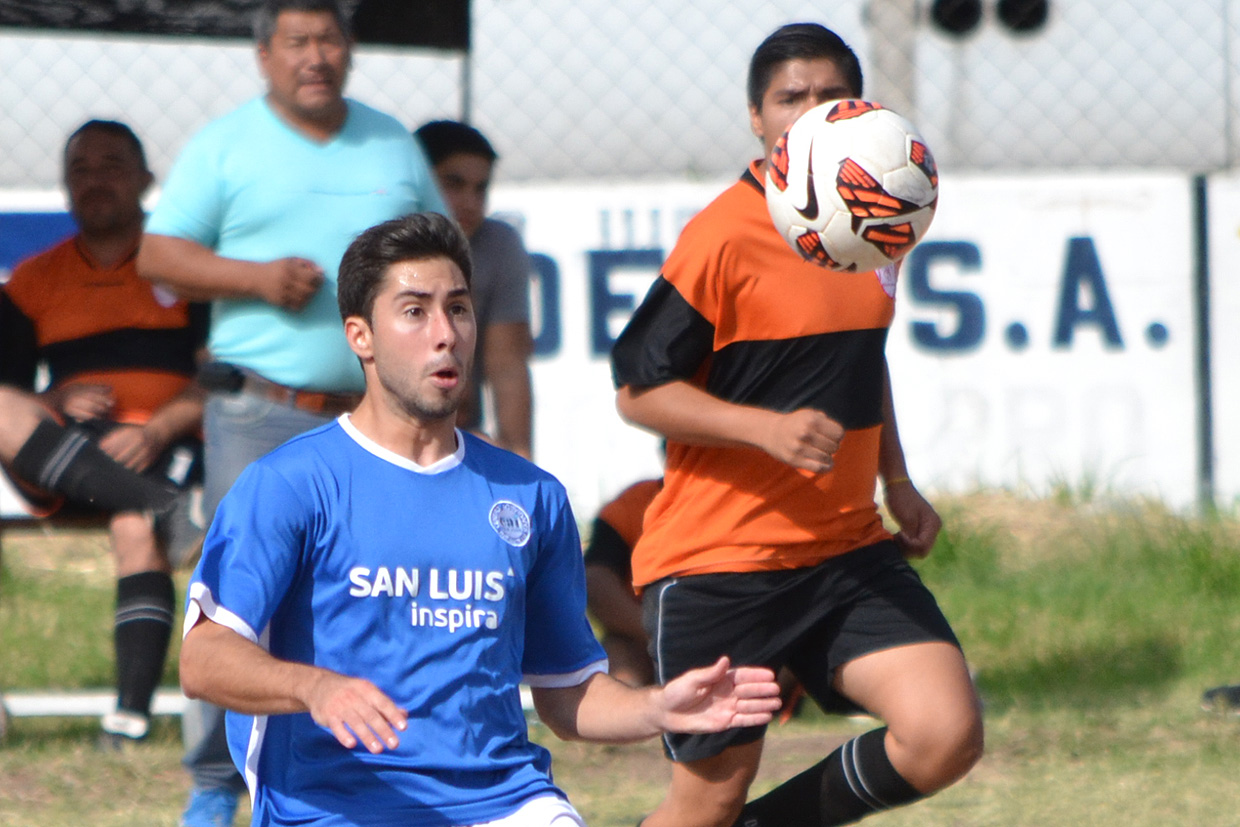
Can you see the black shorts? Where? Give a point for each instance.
(811, 620)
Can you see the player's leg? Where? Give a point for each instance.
(887, 650)
(709, 792)
(43, 453)
(753, 618)
(145, 600)
(924, 694)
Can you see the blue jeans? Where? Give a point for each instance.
(238, 429)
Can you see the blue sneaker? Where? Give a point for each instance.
(213, 807)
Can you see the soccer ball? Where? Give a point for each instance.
(851, 186)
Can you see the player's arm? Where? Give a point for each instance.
(611, 602)
(223, 667)
(196, 273)
(919, 522)
(710, 699)
(805, 438)
(507, 356)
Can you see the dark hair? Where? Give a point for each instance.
(269, 12)
(441, 139)
(116, 128)
(414, 237)
(800, 41)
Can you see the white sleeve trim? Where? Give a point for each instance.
(564, 681)
(202, 604)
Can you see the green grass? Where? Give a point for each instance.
(1092, 628)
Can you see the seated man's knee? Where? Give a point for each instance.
(133, 543)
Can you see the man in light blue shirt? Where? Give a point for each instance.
(254, 218)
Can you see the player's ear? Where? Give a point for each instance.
(755, 122)
(358, 334)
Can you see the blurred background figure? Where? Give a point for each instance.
(121, 356)
(463, 160)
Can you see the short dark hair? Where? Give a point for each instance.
(800, 41)
(116, 128)
(441, 139)
(268, 13)
(413, 237)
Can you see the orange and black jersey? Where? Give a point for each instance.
(739, 314)
(95, 324)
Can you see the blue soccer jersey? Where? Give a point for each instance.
(445, 586)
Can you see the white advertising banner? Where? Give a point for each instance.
(1043, 339)
(1224, 292)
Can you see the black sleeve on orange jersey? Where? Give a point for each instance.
(666, 340)
(19, 348)
(608, 549)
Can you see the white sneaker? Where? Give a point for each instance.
(131, 725)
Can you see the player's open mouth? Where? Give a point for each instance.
(446, 378)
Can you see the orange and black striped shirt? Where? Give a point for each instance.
(95, 324)
(736, 312)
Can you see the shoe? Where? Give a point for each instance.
(214, 807)
(1224, 699)
(121, 730)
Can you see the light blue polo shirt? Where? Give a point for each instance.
(250, 187)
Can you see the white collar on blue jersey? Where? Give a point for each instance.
(438, 467)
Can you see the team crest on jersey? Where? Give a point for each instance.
(510, 522)
(887, 278)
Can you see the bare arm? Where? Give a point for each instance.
(196, 273)
(507, 356)
(805, 438)
(611, 601)
(221, 666)
(919, 522)
(710, 699)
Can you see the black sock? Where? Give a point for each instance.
(144, 606)
(850, 783)
(65, 461)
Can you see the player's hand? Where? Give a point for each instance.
(919, 522)
(718, 697)
(84, 401)
(355, 710)
(805, 439)
(290, 282)
(133, 446)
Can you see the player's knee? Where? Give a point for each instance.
(944, 750)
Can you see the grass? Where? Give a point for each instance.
(1092, 626)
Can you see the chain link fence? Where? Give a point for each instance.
(646, 89)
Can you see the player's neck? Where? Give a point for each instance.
(422, 442)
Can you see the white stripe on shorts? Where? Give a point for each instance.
(544, 811)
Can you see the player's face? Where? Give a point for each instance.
(464, 180)
(105, 180)
(796, 87)
(420, 339)
(306, 64)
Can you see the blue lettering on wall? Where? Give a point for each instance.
(1083, 269)
(968, 307)
(548, 337)
(603, 302)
